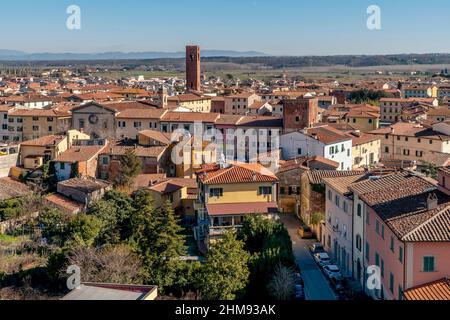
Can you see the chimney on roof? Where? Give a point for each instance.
(392, 130)
(432, 201)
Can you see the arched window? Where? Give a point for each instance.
(359, 210)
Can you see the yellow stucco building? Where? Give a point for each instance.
(229, 192)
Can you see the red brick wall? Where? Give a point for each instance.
(300, 113)
(193, 68)
(218, 106)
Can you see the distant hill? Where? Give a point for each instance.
(12, 55)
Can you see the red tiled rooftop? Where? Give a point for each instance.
(437, 290)
(81, 153)
(238, 173)
(47, 141)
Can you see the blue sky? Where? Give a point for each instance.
(279, 27)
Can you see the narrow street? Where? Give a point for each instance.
(317, 286)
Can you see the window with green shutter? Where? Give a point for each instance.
(391, 283)
(429, 264)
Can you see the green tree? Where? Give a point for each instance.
(167, 245)
(186, 279)
(83, 230)
(429, 169)
(53, 224)
(10, 209)
(270, 244)
(142, 221)
(56, 269)
(225, 273)
(130, 167)
(106, 213)
(125, 209)
(317, 218)
(367, 96)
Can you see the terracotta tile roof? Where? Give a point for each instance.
(362, 138)
(345, 127)
(260, 121)
(237, 173)
(363, 111)
(436, 229)
(342, 184)
(327, 134)
(303, 163)
(228, 119)
(436, 290)
(244, 95)
(85, 184)
(411, 130)
(445, 170)
(125, 105)
(401, 200)
(64, 203)
(399, 164)
(54, 112)
(188, 97)
(81, 153)
(324, 160)
(439, 112)
(173, 184)
(242, 208)
(99, 96)
(141, 114)
(297, 163)
(147, 180)
(372, 189)
(189, 117)
(10, 189)
(139, 151)
(4, 108)
(27, 98)
(440, 159)
(316, 176)
(257, 105)
(162, 137)
(47, 141)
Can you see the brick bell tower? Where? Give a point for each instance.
(193, 68)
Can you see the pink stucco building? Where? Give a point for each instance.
(406, 231)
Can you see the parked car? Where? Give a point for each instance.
(332, 271)
(322, 259)
(305, 232)
(338, 285)
(316, 248)
(298, 279)
(299, 293)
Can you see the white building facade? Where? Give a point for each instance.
(298, 144)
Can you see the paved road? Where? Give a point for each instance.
(317, 286)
